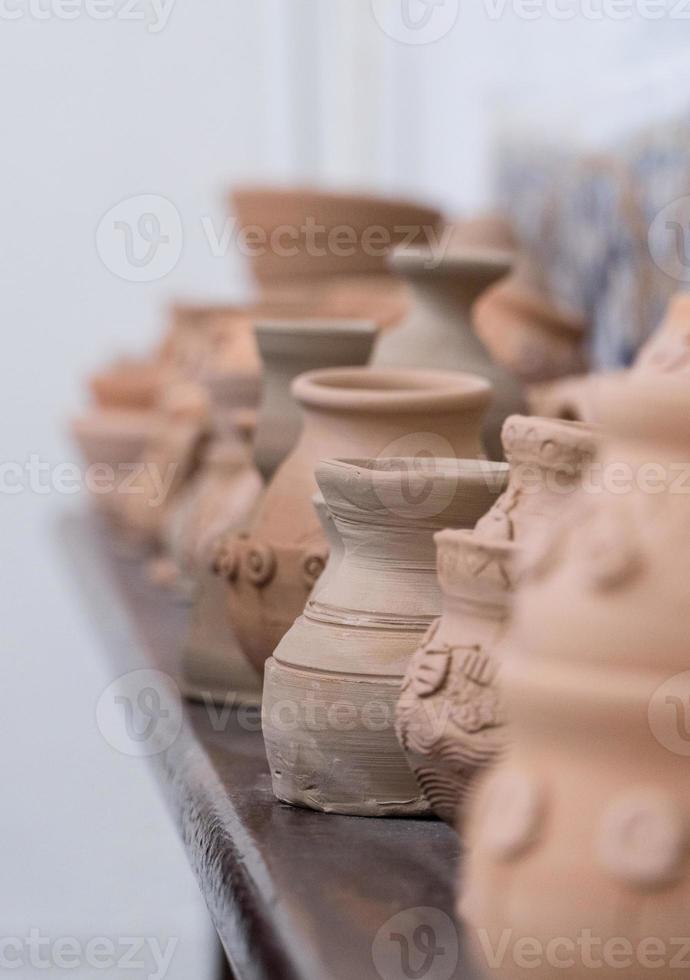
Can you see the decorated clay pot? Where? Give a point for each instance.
(438, 331)
(337, 672)
(578, 842)
(449, 718)
(350, 412)
(547, 460)
(310, 234)
(526, 331)
(290, 348)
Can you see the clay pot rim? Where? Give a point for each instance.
(464, 539)
(389, 468)
(390, 391)
(517, 433)
(299, 198)
(480, 259)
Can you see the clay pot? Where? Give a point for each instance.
(351, 412)
(582, 831)
(308, 234)
(112, 442)
(339, 669)
(490, 230)
(129, 384)
(526, 332)
(290, 348)
(205, 338)
(168, 462)
(547, 460)
(449, 718)
(438, 331)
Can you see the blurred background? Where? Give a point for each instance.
(571, 118)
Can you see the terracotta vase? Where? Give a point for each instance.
(290, 348)
(581, 834)
(128, 383)
(350, 412)
(112, 442)
(309, 234)
(526, 331)
(450, 721)
(337, 672)
(204, 337)
(438, 331)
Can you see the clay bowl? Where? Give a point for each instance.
(350, 233)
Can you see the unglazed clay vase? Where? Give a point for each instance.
(526, 331)
(438, 331)
(112, 442)
(310, 234)
(449, 719)
(203, 338)
(290, 348)
(166, 465)
(339, 669)
(349, 412)
(581, 834)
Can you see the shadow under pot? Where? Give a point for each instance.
(289, 348)
(331, 687)
(355, 412)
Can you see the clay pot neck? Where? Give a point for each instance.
(476, 573)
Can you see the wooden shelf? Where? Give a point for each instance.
(292, 893)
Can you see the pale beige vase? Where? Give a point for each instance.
(349, 412)
(337, 672)
(289, 348)
(581, 834)
(438, 332)
(450, 721)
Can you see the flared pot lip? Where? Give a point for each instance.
(529, 434)
(309, 326)
(390, 390)
(407, 260)
(390, 468)
(248, 195)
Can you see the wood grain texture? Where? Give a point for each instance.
(292, 893)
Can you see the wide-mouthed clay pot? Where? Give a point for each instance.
(449, 717)
(112, 442)
(526, 331)
(290, 348)
(128, 383)
(331, 687)
(438, 332)
(578, 842)
(353, 412)
(308, 234)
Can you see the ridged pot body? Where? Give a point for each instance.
(339, 669)
(449, 719)
(289, 348)
(347, 412)
(438, 331)
(580, 838)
